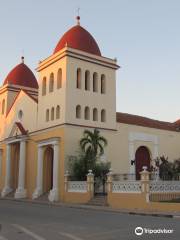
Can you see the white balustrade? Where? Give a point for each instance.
(126, 186)
(77, 186)
(164, 186)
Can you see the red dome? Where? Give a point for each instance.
(77, 37)
(21, 75)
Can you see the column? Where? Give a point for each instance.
(54, 193)
(20, 191)
(39, 180)
(7, 189)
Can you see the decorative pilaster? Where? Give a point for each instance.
(66, 180)
(90, 183)
(39, 181)
(145, 182)
(21, 191)
(109, 181)
(131, 157)
(54, 193)
(7, 189)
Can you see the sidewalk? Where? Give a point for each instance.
(99, 208)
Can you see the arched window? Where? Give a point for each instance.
(87, 113)
(78, 78)
(47, 115)
(3, 106)
(103, 115)
(52, 114)
(59, 79)
(58, 112)
(51, 83)
(87, 80)
(20, 115)
(44, 86)
(78, 111)
(95, 114)
(95, 82)
(103, 84)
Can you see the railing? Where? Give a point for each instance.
(126, 186)
(77, 186)
(164, 186)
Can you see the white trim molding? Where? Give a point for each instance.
(144, 137)
(54, 192)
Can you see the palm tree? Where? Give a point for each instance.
(92, 144)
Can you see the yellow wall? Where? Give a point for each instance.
(137, 201)
(77, 197)
(117, 151)
(32, 152)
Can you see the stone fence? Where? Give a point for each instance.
(143, 194)
(78, 191)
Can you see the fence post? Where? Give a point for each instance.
(90, 183)
(109, 181)
(145, 183)
(66, 180)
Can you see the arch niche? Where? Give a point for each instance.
(142, 158)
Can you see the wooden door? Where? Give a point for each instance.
(142, 159)
(15, 165)
(48, 170)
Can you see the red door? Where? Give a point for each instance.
(142, 159)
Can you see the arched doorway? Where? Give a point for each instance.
(15, 154)
(48, 169)
(142, 158)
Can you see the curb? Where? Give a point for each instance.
(94, 208)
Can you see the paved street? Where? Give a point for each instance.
(25, 221)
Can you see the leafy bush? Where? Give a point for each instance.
(80, 165)
(168, 170)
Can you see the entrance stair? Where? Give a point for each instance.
(42, 198)
(98, 200)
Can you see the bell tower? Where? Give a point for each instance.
(77, 85)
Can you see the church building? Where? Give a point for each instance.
(42, 121)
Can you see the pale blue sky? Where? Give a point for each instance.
(144, 35)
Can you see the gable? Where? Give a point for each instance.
(17, 130)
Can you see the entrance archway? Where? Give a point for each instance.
(15, 154)
(142, 158)
(48, 169)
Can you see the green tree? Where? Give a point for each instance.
(92, 144)
(92, 147)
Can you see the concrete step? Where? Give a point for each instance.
(43, 198)
(98, 200)
(10, 195)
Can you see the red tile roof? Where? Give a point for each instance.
(79, 38)
(21, 75)
(146, 122)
